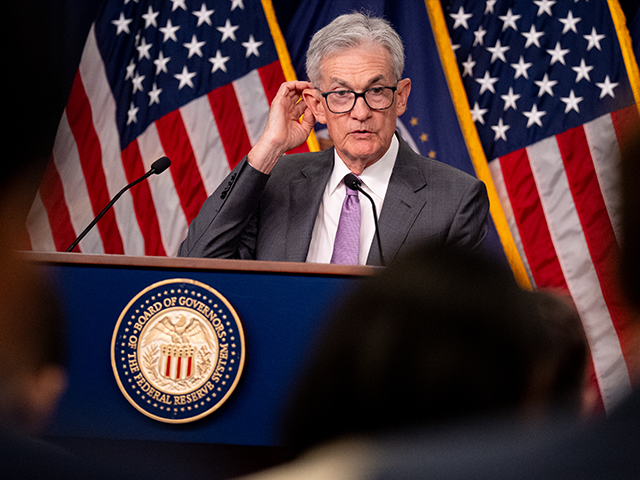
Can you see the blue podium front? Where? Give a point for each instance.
(281, 306)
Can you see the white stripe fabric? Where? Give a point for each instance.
(582, 280)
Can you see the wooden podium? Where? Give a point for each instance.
(282, 307)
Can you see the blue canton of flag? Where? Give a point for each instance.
(535, 69)
(174, 54)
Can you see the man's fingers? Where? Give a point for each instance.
(308, 119)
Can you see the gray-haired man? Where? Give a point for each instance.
(277, 207)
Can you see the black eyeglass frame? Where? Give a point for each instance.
(360, 95)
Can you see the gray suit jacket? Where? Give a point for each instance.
(271, 217)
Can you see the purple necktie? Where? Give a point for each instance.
(346, 249)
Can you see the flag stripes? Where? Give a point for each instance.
(555, 190)
(205, 138)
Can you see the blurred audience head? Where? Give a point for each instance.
(442, 335)
(630, 243)
(32, 362)
(560, 380)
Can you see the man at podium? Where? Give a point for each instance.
(306, 207)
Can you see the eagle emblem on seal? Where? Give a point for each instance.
(178, 350)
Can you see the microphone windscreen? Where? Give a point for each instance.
(351, 181)
(160, 165)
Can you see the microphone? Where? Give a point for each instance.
(157, 168)
(353, 183)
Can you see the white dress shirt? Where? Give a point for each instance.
(375, 180)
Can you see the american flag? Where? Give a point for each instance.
(550, 90)
(189, 79)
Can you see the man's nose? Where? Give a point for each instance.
(360, 109)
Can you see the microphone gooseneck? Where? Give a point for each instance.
(157, 168)
(353, 182)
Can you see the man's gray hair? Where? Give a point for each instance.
(353, 30)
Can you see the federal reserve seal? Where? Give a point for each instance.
(178, 350)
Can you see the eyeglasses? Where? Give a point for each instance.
(343, 101)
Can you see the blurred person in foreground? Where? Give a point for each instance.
(442, 338)
(606, 449)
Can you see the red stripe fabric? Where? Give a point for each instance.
(184, 170)
(595, 221)
(531, 221)
(142, 201)
(226, 111)
(81, 123)
(52, 195)
(272, 77)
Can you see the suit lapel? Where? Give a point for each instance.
(305, 195)
(402, 204)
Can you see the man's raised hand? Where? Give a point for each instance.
(284, 130)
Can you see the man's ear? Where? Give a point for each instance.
(402, 95)
(316, 104)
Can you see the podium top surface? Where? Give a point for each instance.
(207, 264)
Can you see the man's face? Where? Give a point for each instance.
(361, 136)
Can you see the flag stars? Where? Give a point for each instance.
(122, 24)
(606, 87)
(131, 70)
(582, 71)
(558, 54)
(219, 62)
(178, 4)
(228, 31)
(137, 82)
(154, 94)
(571, 102)
(509, 20)
(594, 39)
(460, 19)
(194, 46)
(237, 3)
(533, 37)
(510, 99)
(132, 114)
(468, 66)
(204, 15)
(544, 6)
(569, 23)
(479, 36)
(546, 85)
(414, 121)
(534, 116)
(161, 63)
(477, 113)
(500, 131)
(521, 68)
(486, 83)
(169, 32)
(498, 51)
(143, 49)
(185, 77)
(252, 47)
(150, 18)
(489, 6)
